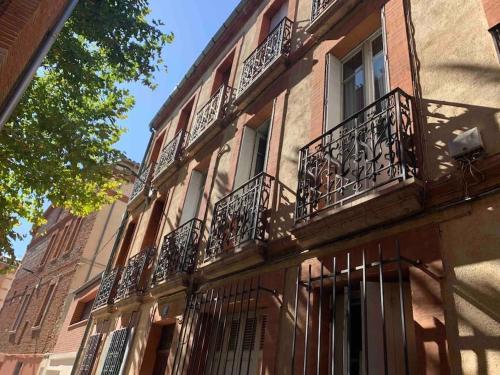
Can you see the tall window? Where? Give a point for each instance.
(82, 311)
(63, 237)
(22, 310)
(153, 224)
(357, 80)
(278, 15)
(45, 305)
(194, 196)
(125, 247)
(18, 368)
(253, 152)
(163, 349)
(49, 248)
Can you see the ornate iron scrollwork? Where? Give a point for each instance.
(169, 154)
(178, 252)
(277, 43)
(215, 109)
(142, 181)
(241, 216)
(371, 148)
(134, 276)
(319, 7)
(108, 288)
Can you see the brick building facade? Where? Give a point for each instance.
(299, 209)
(64, 254)
(23, 26)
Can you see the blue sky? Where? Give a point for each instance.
(193, 22)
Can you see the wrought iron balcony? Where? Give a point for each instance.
(276, 45)
(241, 216)
(169, 156)
(326, 13)
(108, 288)
(134, 277)
(141, 185)
(178, 252)
(320, 6)
(372, 148)
(207, 118)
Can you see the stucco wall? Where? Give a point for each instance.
(470, 246)
(459, 77)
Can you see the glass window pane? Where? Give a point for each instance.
(377, 45)
(379, 81)
(352, 65)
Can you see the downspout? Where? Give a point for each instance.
(111, 260)
(35, 61)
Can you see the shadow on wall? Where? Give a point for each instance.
(444, 121)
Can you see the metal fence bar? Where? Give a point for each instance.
(382, 307)
(306, 336)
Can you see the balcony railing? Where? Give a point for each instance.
(319, 7)
(178, 251)
(134, 278)
(374, 147)
(142, 181)
(241, 216)
(170, 153)
(108, 288)
(276, 44)
(211, 112)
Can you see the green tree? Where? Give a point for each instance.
(58, 145)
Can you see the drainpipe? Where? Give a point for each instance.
(111, 260)
(35, 61)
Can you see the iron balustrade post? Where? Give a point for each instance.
(382, 306)
(297, 283)
(365, 316)
(318, 358)
(334, 311)
(254, 332)
(306, 336)
(402, 308)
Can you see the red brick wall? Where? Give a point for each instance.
(492, 10)
(30, 19)
(61, 269)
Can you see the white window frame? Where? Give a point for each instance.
(334, 100)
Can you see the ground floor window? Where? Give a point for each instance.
(353, 315)
(225, 330)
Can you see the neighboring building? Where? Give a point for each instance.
(7, 273)
(300, 210)
(24, 27)
(64, 254)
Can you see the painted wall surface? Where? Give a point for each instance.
(470, 246)
(459, 77)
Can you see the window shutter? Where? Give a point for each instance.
(245, 159)
(193, 197)
(116, 350)
(90, 354)
(333, 92)
(233, 335)
(249, 334)
(263, 331)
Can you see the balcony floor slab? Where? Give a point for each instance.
(383, 205)
(174, 284)
(234, 260)
(332, 15)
